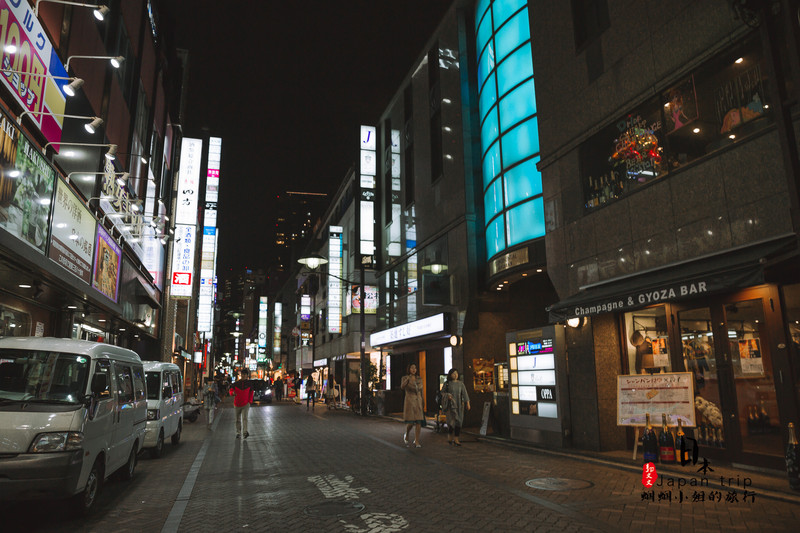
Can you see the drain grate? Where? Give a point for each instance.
(334, 509)
(557, 483)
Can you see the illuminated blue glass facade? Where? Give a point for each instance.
(512, 186)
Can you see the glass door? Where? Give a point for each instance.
(757, 418)
(700, 358)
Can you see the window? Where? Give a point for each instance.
(714, 107)
(124, 384)
(590, 19)
(647, 341)
(138, 384)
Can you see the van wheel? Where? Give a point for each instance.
(176, 437)
(126, 472)
(83, 502)
(158, 451)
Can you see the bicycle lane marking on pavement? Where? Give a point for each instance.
(173, 521)
(558, 508)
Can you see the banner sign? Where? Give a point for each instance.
(26, 187)
(107, 259)
(72, 237)
(33, 74)
(334, 283)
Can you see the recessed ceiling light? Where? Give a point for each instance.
(731, 136)
(537, 270)
(24, 286)
(740, 60)
(696, 130)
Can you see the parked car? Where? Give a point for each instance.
(262, 391)
(72, 413)
(164, 405)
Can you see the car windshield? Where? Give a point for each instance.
(32, 375)
(153, 385)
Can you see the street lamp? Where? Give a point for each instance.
(313, 262)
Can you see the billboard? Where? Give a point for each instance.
(107, 262)
(183, 261)
(189, 181)
(73, 233)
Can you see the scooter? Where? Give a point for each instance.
(191, 409)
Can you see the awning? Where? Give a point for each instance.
(733, 269)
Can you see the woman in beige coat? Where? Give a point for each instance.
(413, 414)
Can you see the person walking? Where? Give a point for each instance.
(278, 386)
(311, 392)
(454, 402)
(209, 394)
(296, 386)
(413, 414)
(242, 398)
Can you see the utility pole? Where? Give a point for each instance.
(362, 323)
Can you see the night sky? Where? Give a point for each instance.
(286, 85)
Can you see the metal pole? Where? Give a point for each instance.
(362, 323)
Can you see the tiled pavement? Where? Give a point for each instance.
(334, 471)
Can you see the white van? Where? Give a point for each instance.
(72, 413)
(164, 405)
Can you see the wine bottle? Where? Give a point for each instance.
(607, 188)
(752, 423)
(703, 437)
(719, 439)
(649, 443)
(764, 416)
(681, 445)
(590, 194)
(601, 192)
(666, 444)
(793, 459)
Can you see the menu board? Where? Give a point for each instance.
(671, 394)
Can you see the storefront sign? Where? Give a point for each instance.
(26, 187)
(116, 203)
(334, 283)
(509, 260)
(33, 74)
(105, 277)
(72, 238)
(418, 328)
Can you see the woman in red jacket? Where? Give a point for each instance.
(242, 398)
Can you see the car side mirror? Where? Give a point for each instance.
(167, 393)
(100, 386)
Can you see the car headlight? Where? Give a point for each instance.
(57, 442)
(153, 414)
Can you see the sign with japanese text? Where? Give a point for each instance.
(189, 181)
(33, 74)
(183, 261)
(72, 236)
(107, 262)
(671, 394)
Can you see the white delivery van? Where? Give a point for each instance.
(164, 405)
(72, 413)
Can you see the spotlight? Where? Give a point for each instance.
(123, 178)
(70, 89)
(117, 61)
(101, 12)
(92, 126)
(112, 152)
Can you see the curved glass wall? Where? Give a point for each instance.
(512, 186)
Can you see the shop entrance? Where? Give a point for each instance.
(741, 400)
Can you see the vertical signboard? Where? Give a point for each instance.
(107, 259)
(366, 211)
(277, 323)
(186, 217)
(183, 261)
(205, 307)
(334, 283)
(263, 313)
(72, 237)
(188, 181)
(33, 74)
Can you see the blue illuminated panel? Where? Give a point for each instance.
(512, 185)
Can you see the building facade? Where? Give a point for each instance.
(87, 172)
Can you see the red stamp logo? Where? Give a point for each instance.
(649, 475)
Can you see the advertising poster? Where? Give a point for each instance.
(354, 300)
(34, 75)
(105, 277)
(183, 261)
(26, 187)
(72, 237)
(671, 394)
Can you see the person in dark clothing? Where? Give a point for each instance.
(278, 386)
(242, 398)
(296, 386)
(311, 392)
